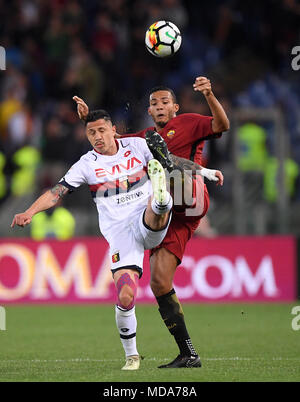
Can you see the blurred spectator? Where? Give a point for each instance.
(79, 144)
(253, 153)
(54, 147)
(57, 223)
(104, 38)
(174, 11)
(26, 160)
(3, 184)
(291, 172)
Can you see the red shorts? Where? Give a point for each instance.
(182, 228)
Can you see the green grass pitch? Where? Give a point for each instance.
(236, 342)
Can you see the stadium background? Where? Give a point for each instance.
(247, 248)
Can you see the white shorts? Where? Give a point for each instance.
(128, 243)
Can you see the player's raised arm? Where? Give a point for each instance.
(220, 120)
(82, 107)
(45, 201)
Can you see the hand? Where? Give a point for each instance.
(22, 219)
(213, 175)
(220, 177)
(82, 107)
(203, 85)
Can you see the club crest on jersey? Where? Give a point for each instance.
(123, 183)
(171, 133)
(115, 257)
(119, 168)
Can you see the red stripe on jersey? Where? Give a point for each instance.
(117, 183)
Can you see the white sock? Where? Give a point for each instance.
(160, 209)
(126, 324)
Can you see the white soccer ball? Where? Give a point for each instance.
(163, 39)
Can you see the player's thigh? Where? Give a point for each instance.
(126, 252)
(149, 237)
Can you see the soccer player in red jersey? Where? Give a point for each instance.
(184, 135)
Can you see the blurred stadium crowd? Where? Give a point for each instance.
(95, 49)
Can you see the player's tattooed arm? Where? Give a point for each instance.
(45, 201)
(193, 168)
(58, 192)
(185, 164)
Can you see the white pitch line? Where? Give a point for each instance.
(249, 358)
(82, 360)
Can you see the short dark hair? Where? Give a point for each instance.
(94, 115)
(164, 88)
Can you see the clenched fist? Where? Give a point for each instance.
(82, 107)
(203, 85)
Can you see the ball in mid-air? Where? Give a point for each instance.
(163, 39)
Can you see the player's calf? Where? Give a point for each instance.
(126, 284)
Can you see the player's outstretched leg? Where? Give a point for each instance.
(183, 168)
(158, 181)
(159, 149)
(162, 201)
(169, 161)
(126, 283)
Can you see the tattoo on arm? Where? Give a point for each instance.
(58, 191)
(185, 164)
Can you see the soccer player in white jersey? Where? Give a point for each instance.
(134, 212)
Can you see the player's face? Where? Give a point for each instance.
(101, 135)
(162, 108)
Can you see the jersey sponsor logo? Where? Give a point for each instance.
(129, 197)
(170, 133)
(119, 168)
(115, 257)
(120, 185)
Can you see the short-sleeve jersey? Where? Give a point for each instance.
(185, 135)
(119, 184)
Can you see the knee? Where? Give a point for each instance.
(163, 267)
(160, 285)
(126, 298)
(127, 289)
